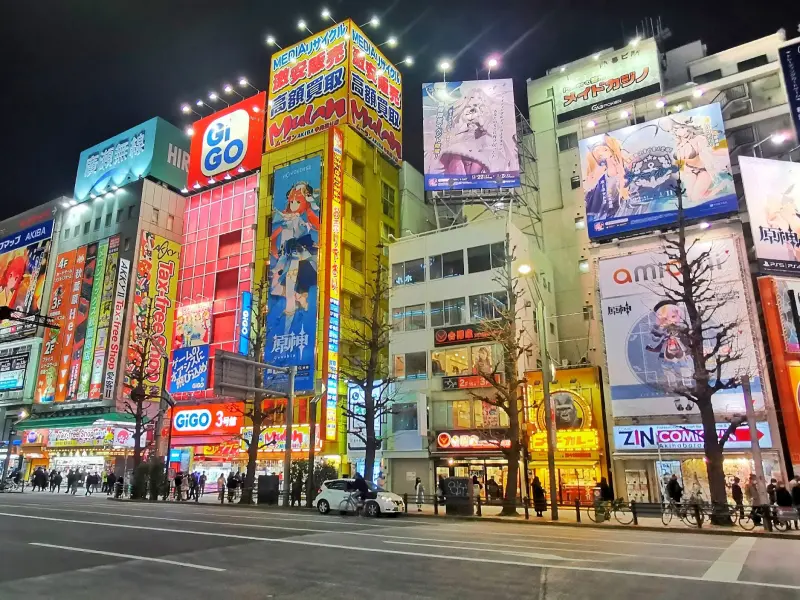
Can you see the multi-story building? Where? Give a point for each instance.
(579, 112)
(117, 247)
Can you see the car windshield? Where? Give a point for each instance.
(374, 488)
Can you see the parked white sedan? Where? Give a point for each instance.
(333, 494)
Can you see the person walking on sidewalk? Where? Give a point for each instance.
(539, 500)
(71, 481)
(419, 493)
(110, 481)
(203, 480)
(738, 496)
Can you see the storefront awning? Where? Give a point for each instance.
(58, 422)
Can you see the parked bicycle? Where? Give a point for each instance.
(602, 511)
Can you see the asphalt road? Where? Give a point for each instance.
(59, 546)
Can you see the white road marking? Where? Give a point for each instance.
(729, 565)
(129, 556)
(300, 542)
(511, 552)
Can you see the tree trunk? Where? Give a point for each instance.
(510, 499)
(252, 457)
(139, 431)
(370, 445)
(714, 464)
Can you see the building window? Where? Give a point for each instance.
(387, 197)
(127, 245)
(448, 312)
(170, 221)
(86, 227)
(409, 318)
(484, 258)
(752, 63)
(706, 77)
(387, 231)
(485, 307)
(356, 307)
(66, 233)
(357, 214)
(131, 210)
(410, 271)
(465, 360)
(156, 215)
(404, 417)
(358, 171)
(567, 141)
(97, 222)
(76, 232)
(108, 219)
(449, 264)
(412, 365)
(229, 244)
(357, 260)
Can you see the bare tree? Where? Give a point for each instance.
(709, 340)
(504, 377)
(367, 366)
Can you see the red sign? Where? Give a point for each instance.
(208, 419)
(465, 334)
(467, 382)
(229, 141)
(469, 440)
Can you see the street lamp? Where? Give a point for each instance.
(186, 109)
(444, 67)
(243, 82)
(776, 138)
(374, 21)
(301, 25)
(326, 14)
(214, 97)
(541, 323)
(491, 63)
(408, 60)
(228, 89)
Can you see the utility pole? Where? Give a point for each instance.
(313, 403)
(541, 318)
(287, 451)
(754, 445)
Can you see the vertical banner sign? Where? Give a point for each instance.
(104, 319)
(87, 361)
(790, 64)
(54, 337)
(156, 287)
(115, 334)
(333, 278)
(376, 96)
(23, 268)
(244, 323)
(81, 318)
(292, 306)
(72, 300)
(189, 372)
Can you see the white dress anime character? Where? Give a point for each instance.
(670, 341)
(294, 244)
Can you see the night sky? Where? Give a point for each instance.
(76, 72)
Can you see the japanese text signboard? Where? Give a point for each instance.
(464, 334)
(208, 419)
(612, 79)
(189, 369)
(790, 64)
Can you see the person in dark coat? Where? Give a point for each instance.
(110, 481)
(771, 490)
(72, 482)
(539, 500)
(606, 495)
(738, 496)
(674, 489)
(297, 490)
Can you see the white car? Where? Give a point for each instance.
(334, 492)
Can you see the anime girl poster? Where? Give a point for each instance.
(470, 135)
(22, 278)
(293, 257)
(630, 175)
(193, 325)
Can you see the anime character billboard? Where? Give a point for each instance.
(630, 175)
(294, 246)
(469, 133)
(772, 190)
(193, 325)
(646, 344)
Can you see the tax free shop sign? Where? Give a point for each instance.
(154, 149)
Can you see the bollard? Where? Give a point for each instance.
(436, 505)
(405, 503)
(766, 514)
(633, 510)
(479, 506)
(697, 516)
(526, 504)
(578, 510)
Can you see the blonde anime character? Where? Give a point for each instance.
(606, 160)
(704, 170)
(782, 212)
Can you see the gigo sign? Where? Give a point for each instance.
(228, 141)
(192, 420)
(209, 419)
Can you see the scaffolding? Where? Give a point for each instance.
(522, 202)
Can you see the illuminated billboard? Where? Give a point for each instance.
(772, 191)
(648, 357)
(610, 80)
(292, 305)
(155, 148)
(230, 141)
(630, 175)
(193, 325)
(469, 132)
(335, 77)
(790, 65)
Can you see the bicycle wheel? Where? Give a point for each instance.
(593, 516)
(666, 515)
(747, 523)
(623, 514)
(689, 516)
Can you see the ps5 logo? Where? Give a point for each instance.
(225, 143)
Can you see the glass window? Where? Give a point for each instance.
(485, 307)
(465, 360)
(108, 219)
(387, 198)
(397, 318)
(131, 209)
(410, 271)
(483, 258)
(404, 417)
(86, 227)
(66, 233)
(119, 215)
(462, 414)
(411, 366)
(415, 317)
(448, 312)
(97, 224)
(156, 215)
(358, 171)
(450, 264)
(170, 221)
(567, 141)
(77, 231)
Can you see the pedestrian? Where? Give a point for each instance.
(178, 481)
(751, 493)
(203, 484)
(52, 481)
(492, 490)
(297, 490)
(105, 482)
(674, 489)
(771, 489)
(440, 490)
(70, 481)
(476, 489)
(539, 500)
(232, 484)
(783, 498)
(185, 486)
(738, 496)
(89, 482)
(35, 479)
(606, 494)
(194, 483)
(221, 488)
(419, 493)
(111, 480)
(45, 481)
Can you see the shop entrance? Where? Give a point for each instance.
(488, 471)
(575, 482)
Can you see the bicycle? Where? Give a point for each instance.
(351, 503)
(9, 485)
(602, 511)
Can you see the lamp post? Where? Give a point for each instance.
(312, 439)
(287, 450)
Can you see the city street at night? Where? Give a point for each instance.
(77, 547)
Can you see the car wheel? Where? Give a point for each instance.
(372, 509)
(323, 507)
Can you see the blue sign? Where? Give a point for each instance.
(244, 323)
(154, 148)
(790, 63)
(292, 305)
(26, 237)
(189, 369)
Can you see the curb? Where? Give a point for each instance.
(510, 521)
